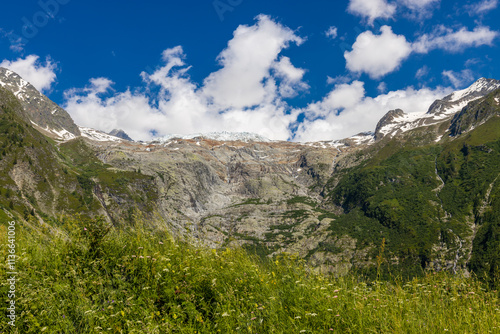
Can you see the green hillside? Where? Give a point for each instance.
(42, 178)
(420, 197)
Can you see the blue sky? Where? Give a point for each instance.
(286, 69)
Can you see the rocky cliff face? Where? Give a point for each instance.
(120, 134)
(476, 113)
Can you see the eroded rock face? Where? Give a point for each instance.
(237, 192)
(475, 114)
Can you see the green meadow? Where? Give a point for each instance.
(84, 276)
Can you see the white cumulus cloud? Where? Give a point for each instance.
(346, 110)
(377, 55)
(246, 63)
(371, 9)
(126, 110)
(246, 94)
(40, 74)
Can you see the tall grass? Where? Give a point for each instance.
(139, 280)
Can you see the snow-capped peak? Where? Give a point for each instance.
(481, 86)
(219, 136)
(97, 135)
(14, 83)
(396, 121)
(38, 108)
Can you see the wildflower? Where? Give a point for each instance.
(335, 296)
(161, 243)
(85, 229)
(297, 317)
(253, 318)
(141, 257)
(225, 314)
(303, 331)
(337, 315)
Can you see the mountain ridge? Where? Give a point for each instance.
(42, 112)
(392, 122)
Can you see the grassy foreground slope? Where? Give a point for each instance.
(93, 278)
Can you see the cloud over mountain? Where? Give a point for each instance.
(40, 74)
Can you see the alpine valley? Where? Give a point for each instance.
(424, 189)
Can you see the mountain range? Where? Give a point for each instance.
(420, 191)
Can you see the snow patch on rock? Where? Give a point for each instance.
(97, 135)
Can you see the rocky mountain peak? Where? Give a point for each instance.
(120, 134)
(454, 102)
(479, 88)
(387, 123)
(476, 113)
(41, 111)
(396, 121)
